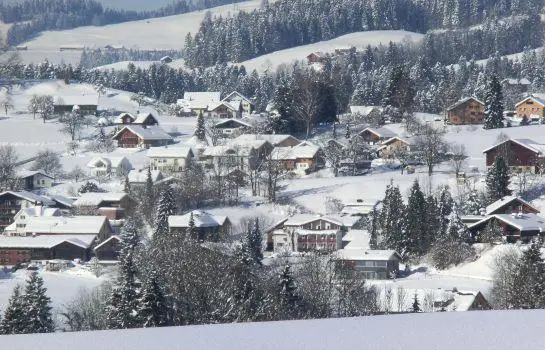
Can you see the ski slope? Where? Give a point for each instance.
(359, 40)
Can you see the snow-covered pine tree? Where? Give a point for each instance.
(433, 222)
(416, 240)
(200, 131)
(374, 229)
(147, 201)
(347, 131)
(527, 290)
(497, 180)
(37, 306)
(473, 204)
(165, 208)
(289, 303)
(121, 308)
(255, 241)
(456, 229)
(493, 104)
(14, 320)
(152, 307)
(445, 208)
(334, 131)
(126, 184)
(492, 233)
(392, 220)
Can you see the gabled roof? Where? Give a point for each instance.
(522, 222)
(232, 120)
(362, 254)
(170, 152)
(94, 199)
(392, 139)
(39, 211)
(237, 96)
(500, 203)
(526, 143)
(237, 148)
(303, 219)
(73, 100)
(68, 202)
(46, 241)
(511, 81)
(141, 118)
(23, 174)
(119, 118)
(230, 105)
(29, 196)
(146, 132)
(113, 162)
(537, 99)
(380, 132)
(301, 151)
(363, 110)
(111, 238)
(65, 224)
(201, 218)
(274, 139)
(141, 176)
(200, 99)
(464, 100)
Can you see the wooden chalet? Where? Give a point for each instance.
(514, 226)
(87, 104)
(531, 107)
(11, 202)
(231, 127)
(316, 57)
(392, 146)
(133, 136)
(209, 227)
(510, 205)
(469, 110)
(370, 264)
(108, 249)
(520, 154)
(113, 205)
(375, 136)
(35, 179)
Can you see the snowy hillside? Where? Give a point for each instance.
(358, 40)
(450, 330)
(155, 33)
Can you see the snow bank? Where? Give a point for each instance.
(449, 330)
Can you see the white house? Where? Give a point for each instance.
(199, 101)
(109, 166)
(231, 127)
(246, 105)
(170, 159)
(21, 219)
(35, 179)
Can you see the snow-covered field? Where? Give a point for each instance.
(498, 330)
(155, 33)
(358, 40)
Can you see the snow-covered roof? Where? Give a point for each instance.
(31, 197)
(232, 105)
(362, 254)
(146, 132)
(113, 162)
(201, 218)
(46, 241)
(237, 96)
(274, 139)
(490, 209)
(302, 219)
(39, 211)
(301, 151)
(232, 120)
(111, 238)
(511, 81)
(540, 99)
(119, 118)
(141, 176)
(170, 152)
(94, 199)
(200, 99)
(522, 222)
(363, 110)
(526, 143)
(73, 100)
(141, 118)
(380, 132)
(464, 100)
(391, 140)
(23, 174)
(65, 224)
(357, 239)
(235, 147)
(68, 202)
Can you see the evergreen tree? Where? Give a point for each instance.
(416, 242)
(416, 304)
(334, 131)
(445, 208)
(456, 229)
(373, 229)
(493, 104)
(497, 180)
(192, 230)
(147, 201)
(473, 204)
(492, 233)
(527, 290)
(122, 307)
(433, 222)
(392, 219)
(289, 303)
(255, 241)
(165, 208)
(200, 131)
(14, 320)
(153, 310)
(126, 184)
(347, 132)
(37, 306)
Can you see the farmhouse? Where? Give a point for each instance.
(33, 180)
(170, 159)
(231, 127)
(224, 109)
(531, 107)
(113, 205)
(392, 147)
(208, 226)
(520, 154)
(514, 226)
(237, 154)
(370, 264)
(194, 103)
(375, 136)
(469, 110)
(21, 219)
(12, 202)
(133, 136)
(277, 140)
(509, 205)
(14, 250)
(87, 104)
(146, 119)
(108, 249)
(246, 105)
(316, 57)
(109, 166)
(305, 157)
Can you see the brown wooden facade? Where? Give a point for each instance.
(469, 111)
(65, 250)
(517, 156)
(530, 107)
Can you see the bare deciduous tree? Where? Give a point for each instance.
(307, 101)
(73, 123)
(457, 157)
(6, 102)
(429, 146)
(8, 161)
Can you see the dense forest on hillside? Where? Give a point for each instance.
(33, 16)
(289, 23)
